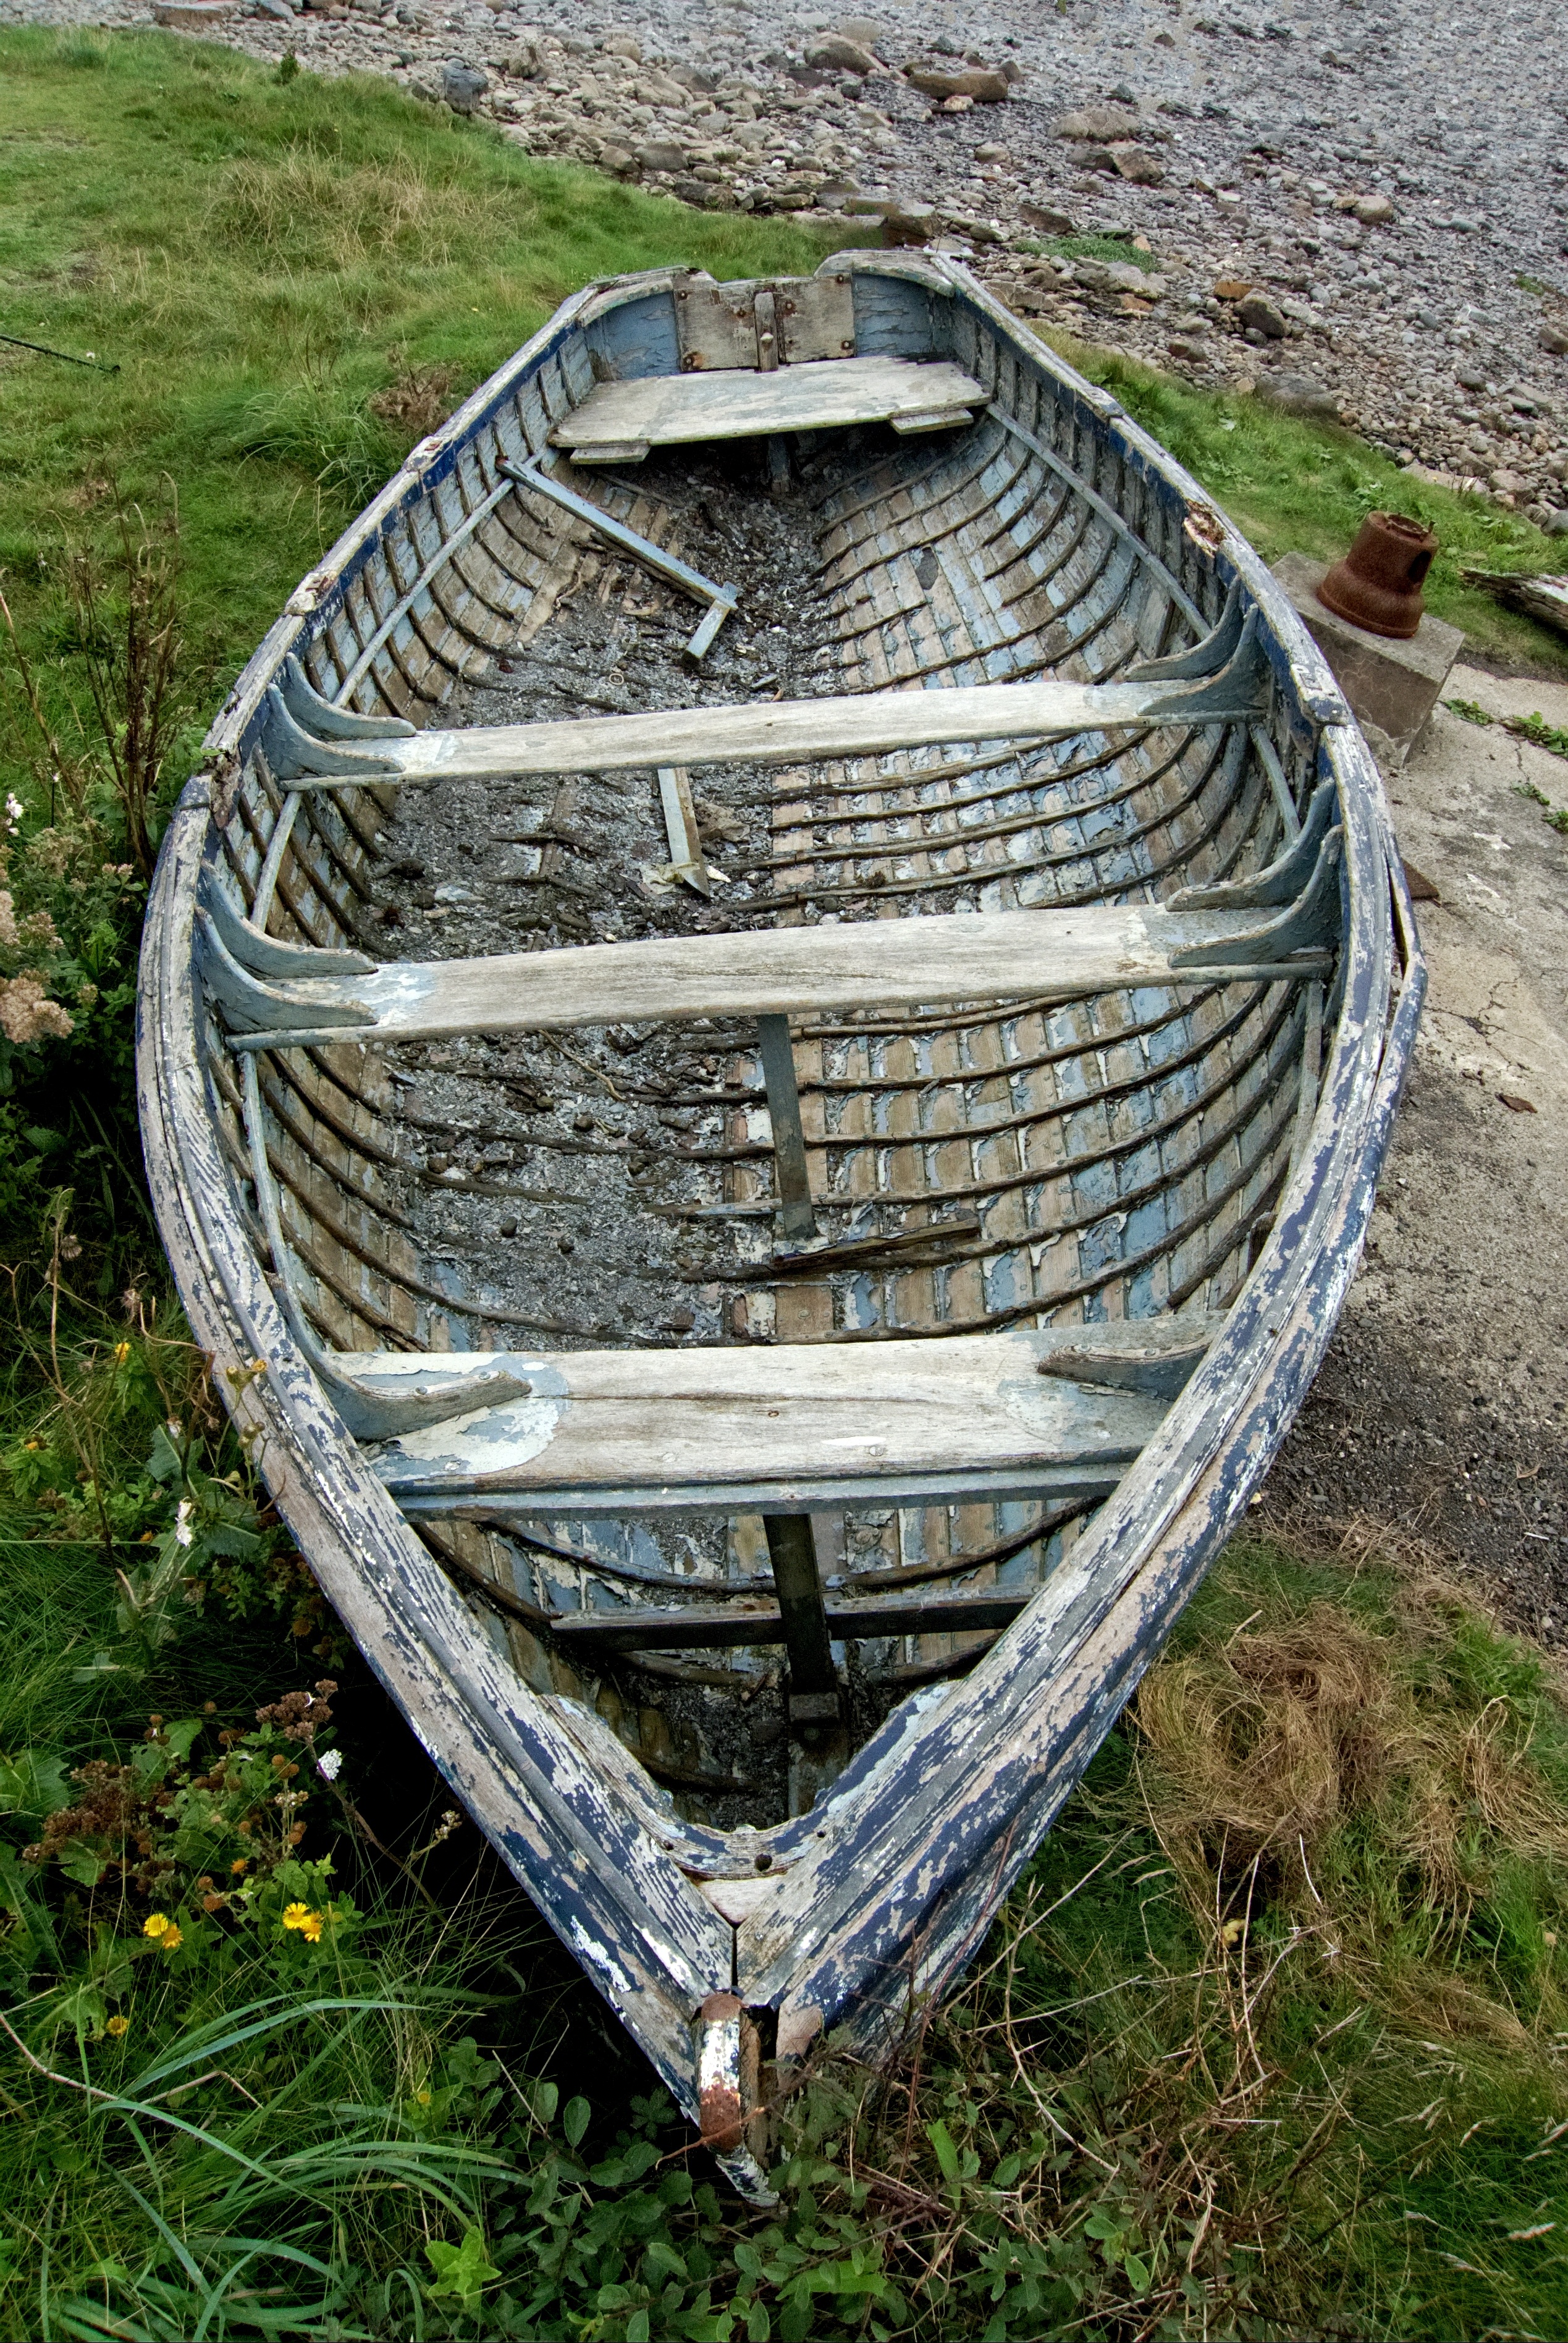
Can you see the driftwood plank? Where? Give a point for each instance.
(668, 410)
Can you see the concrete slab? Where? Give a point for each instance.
(1393, 687)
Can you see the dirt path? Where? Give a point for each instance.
(1440, 1408)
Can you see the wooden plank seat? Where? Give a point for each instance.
(620, 421)
(1055, 1412)
(304, 750)
(1057, 955)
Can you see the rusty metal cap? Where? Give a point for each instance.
(1378, 584)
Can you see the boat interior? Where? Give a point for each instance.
(750, 1164)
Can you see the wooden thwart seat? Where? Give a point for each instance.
(620, 421)
(1054, 1412)
(1047, 955)
(757, 732)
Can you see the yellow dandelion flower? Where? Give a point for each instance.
(117, 2026)
(241, 1862)
(310, 1927)
(421, 2099)
(122, 1353)
(294, 1916)
(156, 1925)
(170, 1941)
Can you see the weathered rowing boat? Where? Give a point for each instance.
(773, 1285)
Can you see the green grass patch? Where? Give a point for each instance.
(260, 259)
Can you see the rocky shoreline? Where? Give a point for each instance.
(1371, 224)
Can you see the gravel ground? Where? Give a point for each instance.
(1382, 190)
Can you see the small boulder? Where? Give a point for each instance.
(1126, 277)
(1048, 217)
(978, 231)
(834, 53)
(463, 85)
(661, 155)
(1188, 352)
(908, 224)
(1556, 523)
(1298, 393)
(1554, 341)
(1099, 125)
(864, 31)
(1374, 211)
(617, 159)
(1257, 312)
(1135, 163)
(978, 82)
(622, 44)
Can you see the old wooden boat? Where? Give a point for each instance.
(776, 1016)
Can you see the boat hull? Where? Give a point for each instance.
(879, 1887)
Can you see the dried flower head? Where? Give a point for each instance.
(117, 2026)
(26, 1012)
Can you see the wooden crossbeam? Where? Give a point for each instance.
(762, 732)
(706, 1628)
(1057, 955)
(786, 1427)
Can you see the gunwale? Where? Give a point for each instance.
(890, 1854)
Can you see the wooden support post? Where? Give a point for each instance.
(813, 1683)
(797, 1220)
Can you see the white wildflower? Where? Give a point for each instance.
(14, 812)
(184, 1534)
(329, 1765)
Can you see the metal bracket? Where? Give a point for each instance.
(728, 2095)
(720, 599)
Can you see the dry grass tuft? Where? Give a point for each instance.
(1266, 1746)
(309, 206)
(420, 399)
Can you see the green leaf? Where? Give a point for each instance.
(637, 2327)
(545, 2098)
(461, 2271)
(31, 1783)
(1007, 2172)
(575, 2121)
(1138, 2273)
(942, 2140)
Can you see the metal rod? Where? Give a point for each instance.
(803, 1616)
(94, 365)
(720, 599)
(797, 1218)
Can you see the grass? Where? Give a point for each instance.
(1271, 2039)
